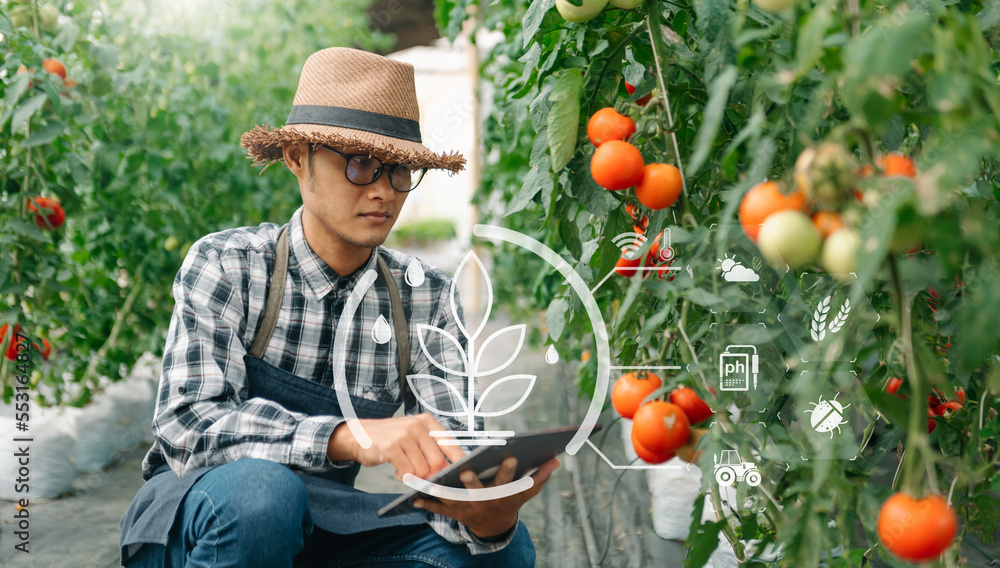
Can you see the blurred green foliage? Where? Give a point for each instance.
(143, 153)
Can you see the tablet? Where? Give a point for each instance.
(531, 450)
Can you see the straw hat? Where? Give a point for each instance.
(354, 101)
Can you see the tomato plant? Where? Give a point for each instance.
(890, 110)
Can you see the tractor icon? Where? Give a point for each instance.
(731, 469)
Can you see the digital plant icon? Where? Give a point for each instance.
(470, 366)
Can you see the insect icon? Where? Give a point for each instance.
(733, 271)
(827, 415)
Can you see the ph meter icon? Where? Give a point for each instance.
(736, 368)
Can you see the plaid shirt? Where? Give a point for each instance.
(203, 416)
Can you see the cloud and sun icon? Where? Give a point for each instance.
(733, 271)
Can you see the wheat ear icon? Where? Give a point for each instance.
(841, 318)
(818, 327)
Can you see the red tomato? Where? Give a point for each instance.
(633, 211)
(616, 165)
(959, 396)
(45, 349)
(641, 101)
(648, 456)
(631, 389)
(627, 266)
(48, 213)
(947, 408)
(641, 224)
(609, 124)
(893, 387)
(696, 409)
(56, 67)
(917, 530)
(661, 426)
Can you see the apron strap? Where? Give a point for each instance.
(399, 322)
(274, 296)
(277, 292)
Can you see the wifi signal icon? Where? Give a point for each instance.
(630, 243)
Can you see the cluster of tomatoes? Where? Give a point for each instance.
(618, 165)
(937, 403)
(794, 228)
(660, 429)
(16, 339)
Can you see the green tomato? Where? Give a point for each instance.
(774, 6)
(625, 4)
(840, 253)
(171, 243)
(588, 10)
(788, 238)
(48, 17)
(20, 17)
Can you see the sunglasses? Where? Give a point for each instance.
(362, 169)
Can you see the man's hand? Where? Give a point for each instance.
(491, 518)
(404, 442)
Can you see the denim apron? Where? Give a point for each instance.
(334, 504)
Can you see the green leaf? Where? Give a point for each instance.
(533, 18)
(17, 88)
(703, 298)
(978, 336)
(19, 226)
(710, 16)
(564, 117)
(570, 236)
(44, 135)
(812, 34)
(555, 317)
(537, 179)
(713, 117)
(702, 539)
(24, 112)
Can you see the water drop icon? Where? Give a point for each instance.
(414, 274)
(381, 332)
(551, 355)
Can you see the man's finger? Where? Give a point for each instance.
(453, 452)
(470, 480)
(506, 472)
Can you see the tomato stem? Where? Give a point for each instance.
(656, 39)
(727, 530)
(916, 437)
(600, 77)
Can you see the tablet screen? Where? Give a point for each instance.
(531, 450)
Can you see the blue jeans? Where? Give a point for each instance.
(256, 513)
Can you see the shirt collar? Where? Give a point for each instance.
(317, 274)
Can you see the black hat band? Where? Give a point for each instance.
(377, 123)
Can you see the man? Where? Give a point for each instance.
(275, 338)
